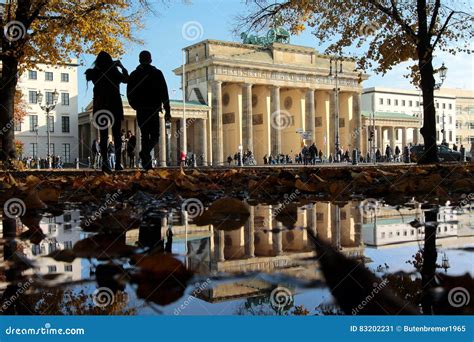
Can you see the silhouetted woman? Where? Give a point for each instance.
(106, 75)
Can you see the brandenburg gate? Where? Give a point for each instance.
(262, 97)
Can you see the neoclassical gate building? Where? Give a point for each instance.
(262, 97)
(265, 99)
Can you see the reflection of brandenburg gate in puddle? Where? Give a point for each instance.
(267, 245)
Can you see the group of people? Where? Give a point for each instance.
(128, 145)
(147, 94)
(245, 158)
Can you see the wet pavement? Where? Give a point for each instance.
(265, 262)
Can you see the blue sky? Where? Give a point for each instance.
(163, 36)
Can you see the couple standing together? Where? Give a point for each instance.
(147, 93)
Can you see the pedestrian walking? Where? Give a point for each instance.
(131, 144)
(106, 75)
(147, 93)
(111, 154)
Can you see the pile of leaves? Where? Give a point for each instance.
(437, 183)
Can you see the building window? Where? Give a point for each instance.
(437, 119)
(51, 124)
(67, 268)
(418, 103)
(17, 126)
(65, 99)
(403, 103)
(410, 103)
(458, 139)
(32, 75)
(450, 106)
(34, 149)
(48, 76)
(51, 148)
(33, 123)
(51, 269)
(67, 244)
(450, 118)
(35, 249)
(381, 101)
(437, 135)
(396, 102)
(437, 105)
(32, 98)
(389, 102)
(444, 105)
(65, 124)
(64, 77)
(458, 124)
(450, 135)
(66, 153)
(67, 217)
(342, 123)
(49, 97)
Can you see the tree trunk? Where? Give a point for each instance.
(425, 64)
(428, 269)
(8, 83)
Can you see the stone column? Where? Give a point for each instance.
(249, 234)
(220, 245)
(379, 138)
(332, 123)
(217, 132)
(404, 138)
(357, 120)
(162, 154)
(416, 135)
(277, 239)
(247, 123)
(392, 138)
(310, 113)
(174, 143)
(203, 140)
(275, 121)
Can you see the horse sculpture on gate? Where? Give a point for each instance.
(274, 35)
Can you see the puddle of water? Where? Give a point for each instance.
(267, 266)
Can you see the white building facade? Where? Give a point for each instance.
(63, 125)
(410, 102)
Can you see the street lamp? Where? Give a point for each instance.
(442, 75)
(338, 70)
(48, 107)
(37, 148)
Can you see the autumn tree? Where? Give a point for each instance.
(55, 31)
(387, 31)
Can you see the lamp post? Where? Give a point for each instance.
(442, 75)
(37, 148)
(337, 70)
(48, 107)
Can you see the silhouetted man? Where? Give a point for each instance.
(147, 93)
